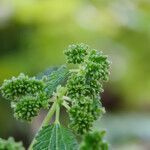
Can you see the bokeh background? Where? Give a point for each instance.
(34, 33)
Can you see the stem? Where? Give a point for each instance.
(49, 115)
(57, 114)
(45, 122)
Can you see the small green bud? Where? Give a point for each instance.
(27, 108)
(94, 141)
(22, 85)
(83, 113)
(10, 144)
(84, 87)
(76, 86)
(97, 66)
(43, 100)
(76, 53)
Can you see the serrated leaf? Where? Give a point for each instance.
(47, 72)
(55, 137)
(56, 78)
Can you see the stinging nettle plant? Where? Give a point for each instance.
(77, 90)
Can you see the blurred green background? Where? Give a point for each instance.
(34, 33)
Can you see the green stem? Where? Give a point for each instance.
(46, 121)
(57, 114)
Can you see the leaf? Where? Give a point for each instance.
(55, 137)
(47, 72)
(56, 78)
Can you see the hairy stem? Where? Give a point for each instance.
(57, 113)
(45, 121)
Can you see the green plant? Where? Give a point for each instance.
(78, 90)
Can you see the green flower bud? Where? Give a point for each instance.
(97, 66)
(94, 141)
(76, 86)
(22, 85)
(76, 53)
(10, 144)
(97, 56)
(94, 87)
(27, 108)
(83, 113)
(79, 85)
(84, 87)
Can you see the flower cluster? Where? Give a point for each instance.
(27, 96)
(10, 144)
(76, 86)
(76, 53)
(80, 85)
(17, 87)
(97, 66)
(84, 88)
(94, 141)
(29, 107)
(83, 113)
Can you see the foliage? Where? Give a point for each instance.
(84, 87)
(17, 87)
(94, 141)
(80, 95)
(27, 35)
(28, 107)
(10, 144)
(76, 53)
(55, 137)
(54, 79)
(27, 96)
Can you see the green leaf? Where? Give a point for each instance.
(55, 137)
(56, 78)
(47, 72)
